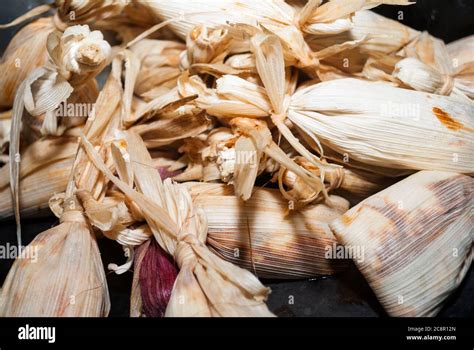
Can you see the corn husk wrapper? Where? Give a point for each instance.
(430, 68)
(135, 297)
(430, 50)
(76, 56)
(352, 164)
(207, 45)
(460, 51)
(433, 58)
(417, 236)
(159, 67)
(52, 170)
(381, 68)
(166, 131)
(34, 199)
(206, 285)
(336, 16)
(25, 52)
(275, 16)
(357, 184)
(419, 76)
(47, 162)
(74, 12)
(70, 268)
(71, 113)
(5, 125)
(218, 156)
(107, 212)
(233, 96)
(273, 243)
(236, 97)
(377, 36)
(434, 134)
(462, 60)
(66, 280)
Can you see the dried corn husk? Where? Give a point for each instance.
(135, 296)
(219, 289)
(66, 280)
(74, 12)
(430, 68)
(189, 166)
(349, 163)
(207, 45)
(337, 16)
(46, 162)
(51, 169)
(377, 36)
(25, 52)
(71, 113)
(5, 125)
(462, 60)
(419, 76)
(272, 243)
(159, 68)
(370, 123)
(418, 239)
(381, 68)
(166, 131)
(218, 157)
(430, 50)
(255, 140)
(460, 51)
(275, 16)
(357, 184)
(236, 97)
(76, 56)
(71, 269)
(233, 96)
(36, 189)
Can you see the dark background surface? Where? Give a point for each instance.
(346, 294)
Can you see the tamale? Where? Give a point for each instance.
(25, 52)
(67, 278)
(417, 240)
(268, 238)
(381, 125)
(219, 289)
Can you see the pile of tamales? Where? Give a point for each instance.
(230, 142)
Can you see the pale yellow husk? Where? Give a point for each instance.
(378, 36)
(66, 279)
(25, 52)
(79, 11)
(159, 66)
(417, 240)
(429, 67)
(206, 285)
(52, 177)
(265, 236)
(381, 125)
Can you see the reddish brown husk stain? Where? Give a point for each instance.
(448, 121)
